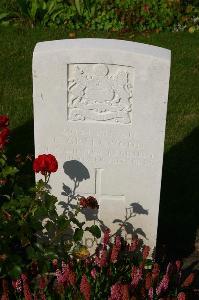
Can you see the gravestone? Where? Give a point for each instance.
(100, 107)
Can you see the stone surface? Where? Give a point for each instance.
(100, 108)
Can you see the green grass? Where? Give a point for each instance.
(179, 207)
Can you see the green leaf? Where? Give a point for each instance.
(9, 171)
(50, 254)
(31, 252)
(63, 222)
(23, 6)
(34, 9)
(3, 16)
(78, 234)
(79, 6)
(15, 272)
(95, 230)
(76, 222)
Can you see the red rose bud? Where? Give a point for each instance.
(4, 121)
(45, 163)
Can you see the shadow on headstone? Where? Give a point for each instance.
(138, 209)
(77, 172)
(179, 205)
(130, 212)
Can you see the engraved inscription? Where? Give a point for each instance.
(83, 144)
(99, 92)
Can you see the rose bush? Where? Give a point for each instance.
(31, 230)
(42, 255)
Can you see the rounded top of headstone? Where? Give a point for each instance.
(103, 44)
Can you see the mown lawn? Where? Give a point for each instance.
(179, 207)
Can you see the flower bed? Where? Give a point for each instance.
(42, 255)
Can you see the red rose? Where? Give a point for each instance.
(4, 121)
(83, 202)
(90, 202)
(4, 133)
(45, 163)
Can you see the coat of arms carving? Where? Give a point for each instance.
(99, 92)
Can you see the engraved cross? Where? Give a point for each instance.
(98, 188)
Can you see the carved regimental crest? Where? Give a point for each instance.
(99, 92)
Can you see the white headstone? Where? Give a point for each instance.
(100, 108)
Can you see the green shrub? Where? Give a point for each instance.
(136, 15)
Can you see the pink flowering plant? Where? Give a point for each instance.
(42, 255)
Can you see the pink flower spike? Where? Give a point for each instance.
(116, 292)
(145, 252)
(103, 259)
(163, 286)
(85, 287)
(178, 265)
(19, 285)
(118, 242)
(181, 296)
(136, 275)
(94, 273)
(114, 254)
(106, 237)
(59, 276)
(150, 293)
(26, 289)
